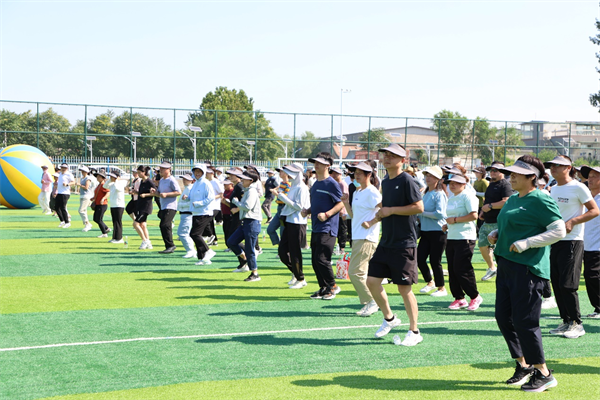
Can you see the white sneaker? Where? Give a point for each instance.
(48, 213)
(387, 326)
(208, 239)
(87, 228)
(548, 303)
(149, 245)
(190, 254)
(411, 339)
(445, 272)
(490, 273)
(143, 246)
(293, 280)
(439, 293)
(104, 235)
(118, 241)
(369, 309)
(427, 289)
(258, 252)
(204, 262)
(574, 331)
(385, 281)
(298, 285)
(209, 255)
(67, 225)
(245, 268)
(61, 224)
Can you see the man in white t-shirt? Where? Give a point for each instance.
(591, 244)
(566, 255)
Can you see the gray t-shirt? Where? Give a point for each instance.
(89, 193)
(168, 185)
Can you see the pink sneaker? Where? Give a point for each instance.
(474, 304)
(458, 304)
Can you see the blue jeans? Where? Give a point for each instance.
(274, 225)
(183, 231)
(248, 231)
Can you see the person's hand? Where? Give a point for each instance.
(235, 210)
(275, 192)
(366, 224)
(322, 217)
(445, 228)
(345, 197)
(384, 212)
(163, 195)
(54, 196)
(152, 190)
(304, 212)
(486, 207)
(493, 238)
(184, 197)
(344, 217)
(569, 226)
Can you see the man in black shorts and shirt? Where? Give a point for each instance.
(496, 194)
(396, 256)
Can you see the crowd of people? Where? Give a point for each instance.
(533, 235)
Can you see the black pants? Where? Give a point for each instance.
(166, 226)
(210, 228)
(432, 244)
(227, 220)
(342, 232)
(321, 246)
(219, 217)
(99, 211)
(290, 248)
(266, 207)
(518, 309)
(460, 270)
(566, 257)
(591, 274)
(199, 223)
(116, 214)
(61, 207)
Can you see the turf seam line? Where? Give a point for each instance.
(211, 335)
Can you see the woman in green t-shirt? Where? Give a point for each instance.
(528, 223)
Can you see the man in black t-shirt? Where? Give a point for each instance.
(498, 191)
(395, 256)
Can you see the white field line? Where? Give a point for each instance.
(48, 346)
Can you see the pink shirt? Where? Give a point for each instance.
(46, 182)
(345, 190)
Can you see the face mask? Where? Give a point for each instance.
(356, 183)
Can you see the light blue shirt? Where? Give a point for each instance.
(201, 197)
(459, 206)
(434, 215)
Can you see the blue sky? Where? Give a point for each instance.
(515, 61)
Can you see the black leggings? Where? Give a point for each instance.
(99, 211)
(290, 248)
(61, 207)
(117, 218)
(432, 244)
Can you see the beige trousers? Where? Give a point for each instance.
(362, 252)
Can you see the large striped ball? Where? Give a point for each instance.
(21, 175)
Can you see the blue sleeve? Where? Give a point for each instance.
(335, 191)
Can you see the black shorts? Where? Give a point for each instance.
(398, 264)
(141, 217)
(130, 207)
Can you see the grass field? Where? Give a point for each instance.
(85, 319)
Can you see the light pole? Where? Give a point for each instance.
(494, 143)
(283, 148)
(133, 141)
(342, 138)
(427, 148)
(249, 151)
(193, 139)
(91, 147)
(297, 151)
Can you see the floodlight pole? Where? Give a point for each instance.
(133, 141)
(284, 148)
(193, 129)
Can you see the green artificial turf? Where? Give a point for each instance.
(64, 286)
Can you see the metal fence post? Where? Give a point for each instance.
(505, 139)
(369, 141)
(473, 146)
(294, 145)
(174, 136)
(406, 135)
(85, 147)
(255, 136)
(131, 133)
(331, 140)
(216, 134)
(38, 125)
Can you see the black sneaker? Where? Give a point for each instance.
(521, 375)
(215, 243)
(538, 382)
(252, 278)
(318, 294)
(168, 250)
(328, 294)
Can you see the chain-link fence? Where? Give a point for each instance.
(222, 137)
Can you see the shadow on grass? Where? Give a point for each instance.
(559, 367)
(374, 383)
(284, 314)
(271, 340)
(234, 297)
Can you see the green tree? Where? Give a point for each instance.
(509, 140)
(231, 115)
(53, 141)
(484, 132)
(376, 137)
(452, 128)
(546, 155)
(595, 97)
(308, 143)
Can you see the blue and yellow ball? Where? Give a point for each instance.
(21, 175)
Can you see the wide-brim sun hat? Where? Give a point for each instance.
(83, 168)
(187, 177)
(100, 173)
(363, 166)
(558, 160)
(165, 165)
(496, 165)
(457, 178)
(434, 171)
(395, 149)
(319, 160)
(585, 170)
(522, 168)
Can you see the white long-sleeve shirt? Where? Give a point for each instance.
(201, 197)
